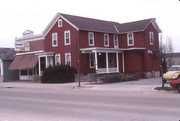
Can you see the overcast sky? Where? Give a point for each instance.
(16, 16)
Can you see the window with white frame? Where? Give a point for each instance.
(60, 23)
(91, 60)
(68, 59)
(106, 40)
(57, 59)
(116, 41)
(49, 61)
(91, 38)
(54, 39)
(151, 38)
(130, 39)
(67, 37)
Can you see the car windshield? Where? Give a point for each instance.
(174, 69)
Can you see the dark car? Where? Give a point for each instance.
(175, 84)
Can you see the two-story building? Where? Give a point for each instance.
(92, 46)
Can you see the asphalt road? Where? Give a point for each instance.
(26, 104)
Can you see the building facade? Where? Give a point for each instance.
(6, 57)
(92, 46)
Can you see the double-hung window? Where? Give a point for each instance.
(116, 41)
(151, 38)
(57, 59)
(67, 37)
(106, 40)
(68, 59)
(54, 39)
(91, 38)
(92, 60)
(130, 39)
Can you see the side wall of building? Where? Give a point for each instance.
(7, 74)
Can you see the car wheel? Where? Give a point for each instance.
(178, 88)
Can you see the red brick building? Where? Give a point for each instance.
(92, 46)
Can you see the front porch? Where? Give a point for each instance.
(103, 60)
(32, 65)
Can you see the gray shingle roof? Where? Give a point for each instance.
(90, 24)
(7, 53)
(134, 26)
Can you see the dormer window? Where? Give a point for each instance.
(151, 38)
(60, 23)
(130, 39)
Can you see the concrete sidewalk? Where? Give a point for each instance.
(140, 85)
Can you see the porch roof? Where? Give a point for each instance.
(24, 62)
(102, 49)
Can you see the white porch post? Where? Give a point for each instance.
(107, 63)
(117, 61)
(39, 64)
(46, 61)
(123, 62)
(96, 62)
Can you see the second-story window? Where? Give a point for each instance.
(130, 39)
(91, 38)
(116, 41)
(106, 40)
(54, 39)
(151, 38)
(67, 37)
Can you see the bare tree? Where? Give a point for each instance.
(165, 49)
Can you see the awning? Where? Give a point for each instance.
(22, 62)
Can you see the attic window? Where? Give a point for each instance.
(60, 23)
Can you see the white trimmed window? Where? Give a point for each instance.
(68, 59)
(67, 37)
(49, 61)
(130, 39)
(106, 40)
(116, 41)
(91, 60)
(151, 38)
(57, 59)
(91, 38)
(60, 23)
(54, 39)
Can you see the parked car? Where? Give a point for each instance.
(175, 84)
(172, 74)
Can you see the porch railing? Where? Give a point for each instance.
(105, 70)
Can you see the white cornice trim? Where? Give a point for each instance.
(69, 22)
(102, 49)
(33, 52)
(53, 22)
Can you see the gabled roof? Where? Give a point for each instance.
(137, 26)
(90, 24)
(7, 53)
